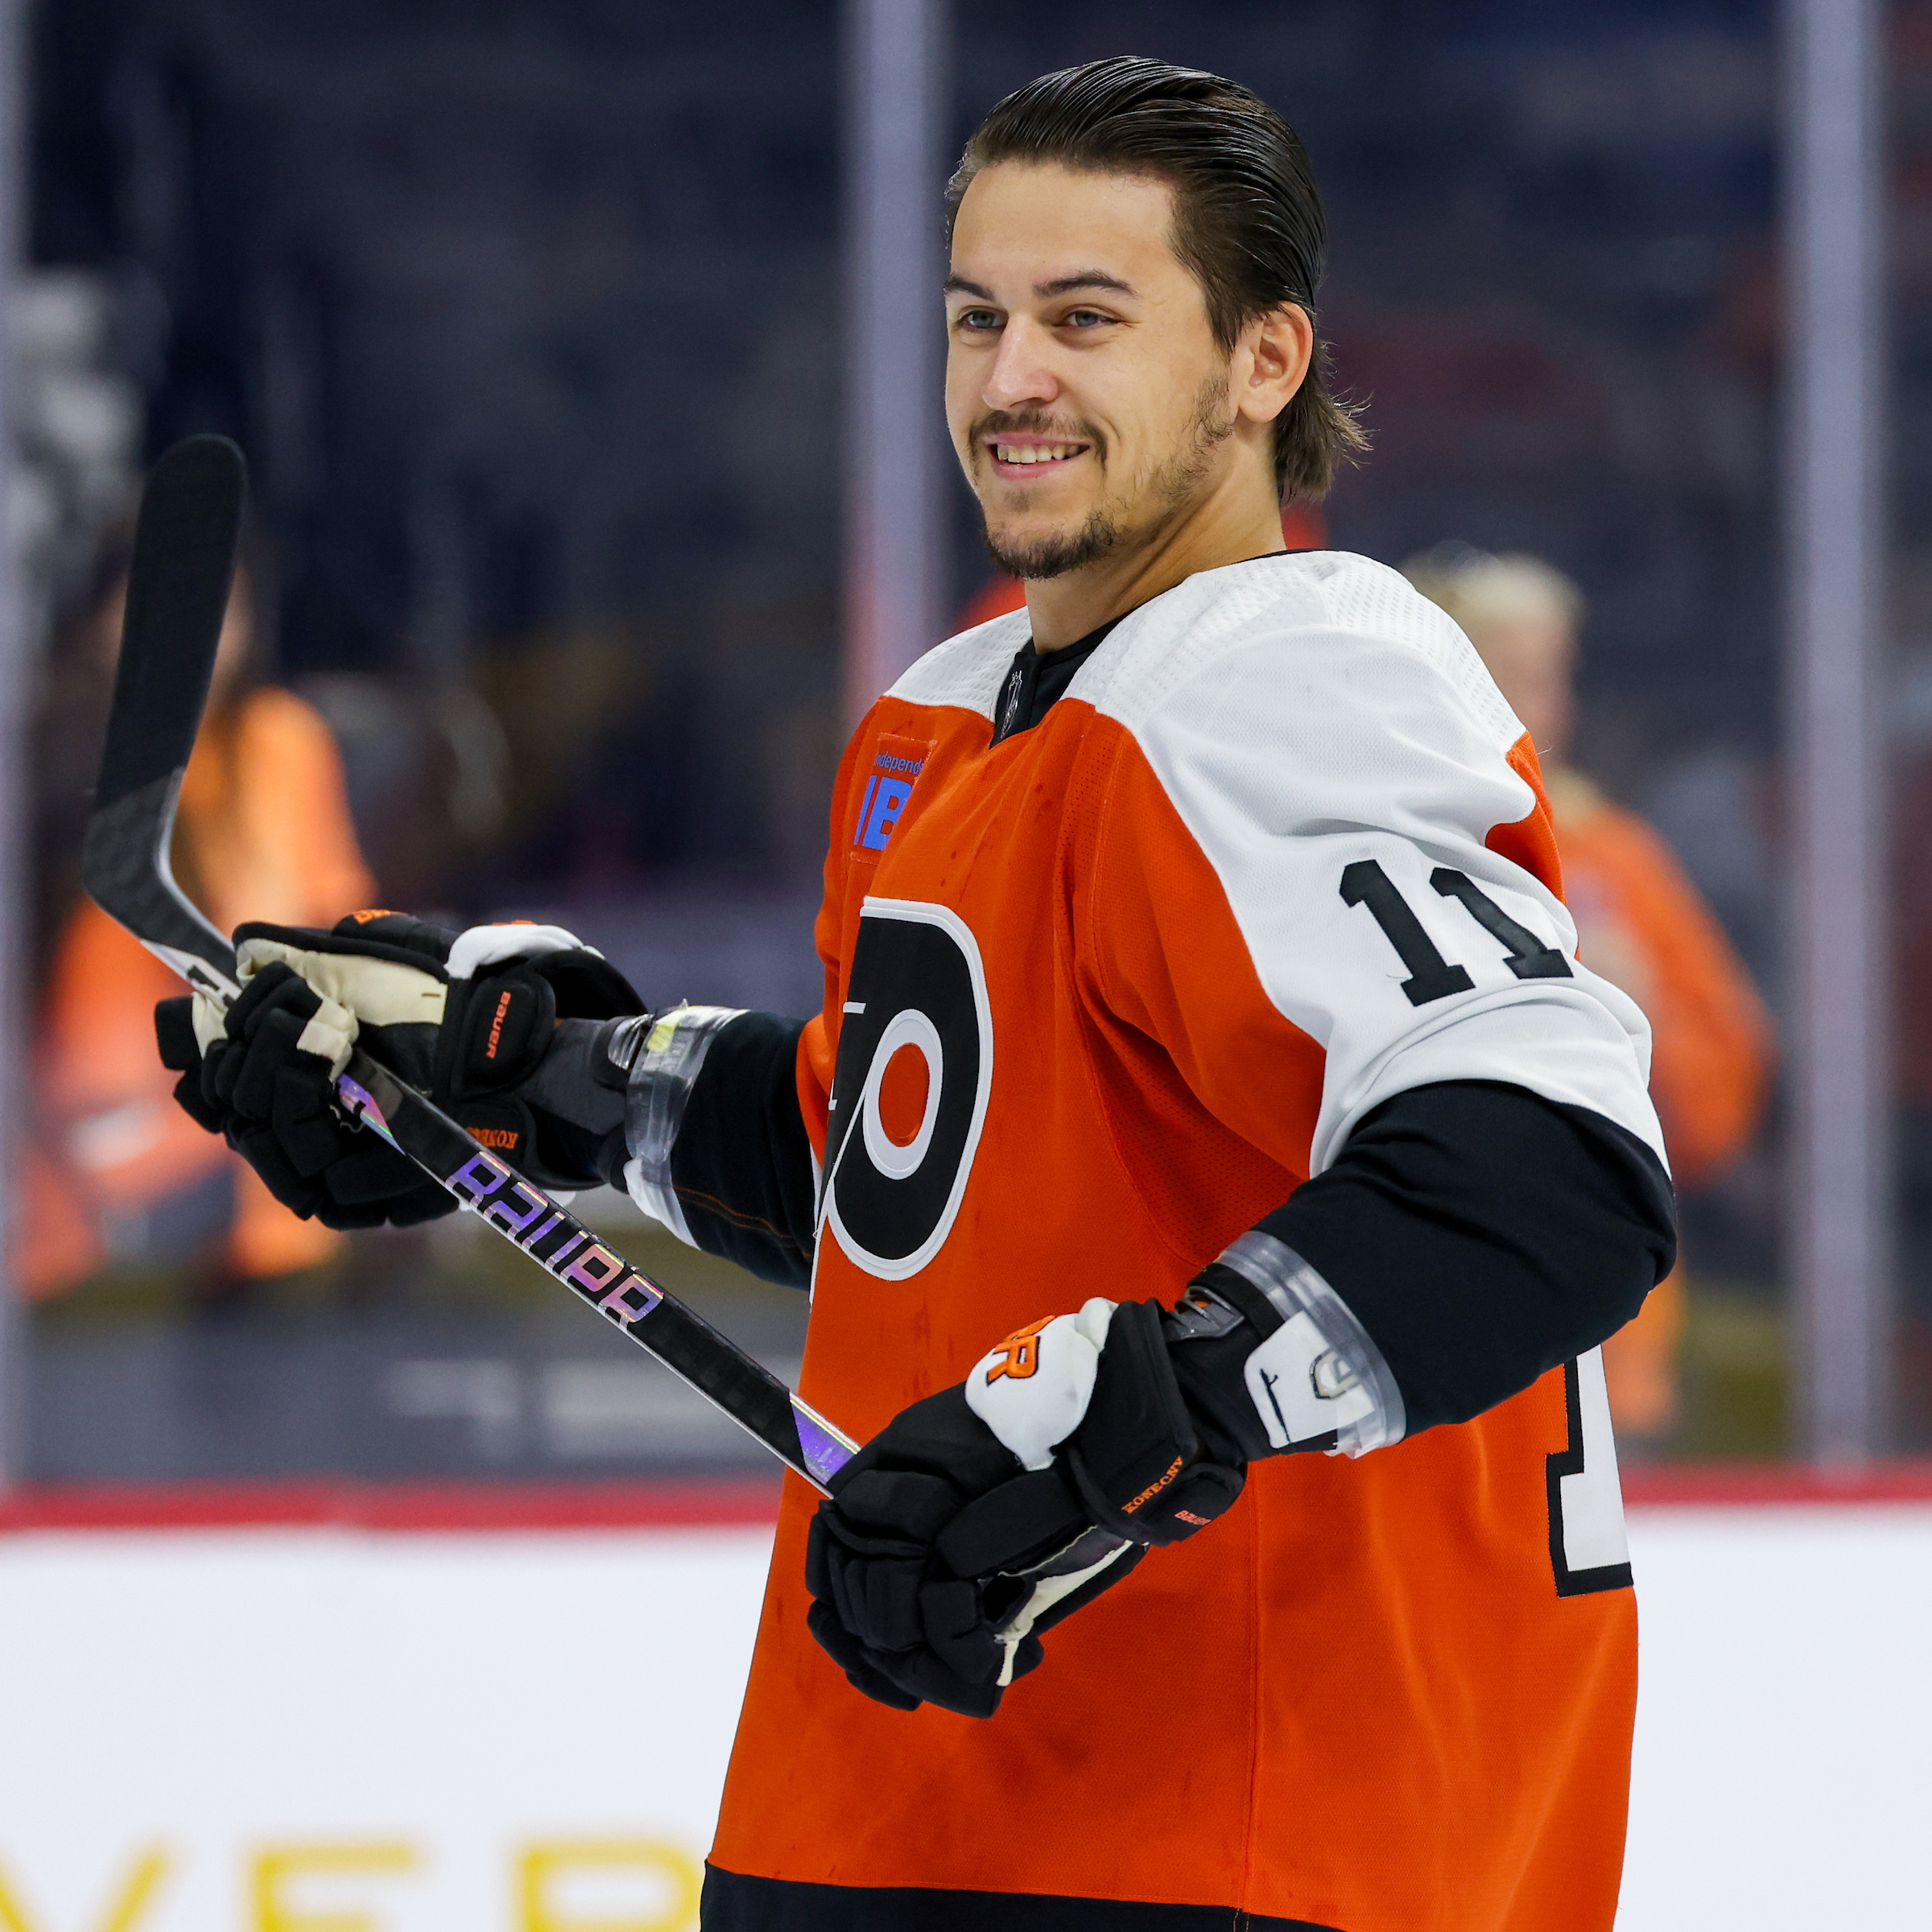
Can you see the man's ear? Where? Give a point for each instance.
(1272, 361)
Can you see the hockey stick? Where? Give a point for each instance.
(177, 594)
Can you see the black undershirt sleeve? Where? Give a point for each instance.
(1482, 1235)
(742, 1164)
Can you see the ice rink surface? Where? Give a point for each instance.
(278, 1730)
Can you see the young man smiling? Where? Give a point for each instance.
(1221, 869)
(1202, 1015)
(1116, 445)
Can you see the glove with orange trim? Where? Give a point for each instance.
(508, 1028)
(985, 1514)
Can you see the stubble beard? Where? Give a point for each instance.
(1174, 489)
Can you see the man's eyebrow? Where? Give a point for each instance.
(1045, 291)
(1087, 278)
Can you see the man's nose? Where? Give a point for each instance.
(1022, 372)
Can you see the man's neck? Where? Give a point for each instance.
(1229, 526)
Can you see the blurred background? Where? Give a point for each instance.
(563, 337)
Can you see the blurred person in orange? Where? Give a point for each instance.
(264, 831)
(1640, 923)
(1303, 527)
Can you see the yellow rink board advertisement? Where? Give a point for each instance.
(309, 1731)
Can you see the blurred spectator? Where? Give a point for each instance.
(1303, 527)
(118, 1172)
(1640, 923)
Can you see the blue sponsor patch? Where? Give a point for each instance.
(888, 788)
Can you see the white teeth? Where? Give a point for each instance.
(1013, 452)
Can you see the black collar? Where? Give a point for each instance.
(1039, 679)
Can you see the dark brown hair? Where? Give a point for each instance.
(1248, 220)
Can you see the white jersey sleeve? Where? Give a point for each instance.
(1336, 751)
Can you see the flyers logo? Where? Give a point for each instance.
(375, 912)
(918, 987)
(1019, 1354)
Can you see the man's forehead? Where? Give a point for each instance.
(1053, 230)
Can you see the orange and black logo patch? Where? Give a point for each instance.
(1019, 1354)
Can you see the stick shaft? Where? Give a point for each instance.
(522, 1214)
(178, 588)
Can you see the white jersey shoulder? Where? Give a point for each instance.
(1335, 747)
(1317, 637)
(967, 670)
(1167, 641)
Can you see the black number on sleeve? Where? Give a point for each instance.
(1527, 956)
(1589, 1547)
(1430, 976)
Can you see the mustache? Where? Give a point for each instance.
(1036, 423)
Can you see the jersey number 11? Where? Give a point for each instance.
(1430, 976)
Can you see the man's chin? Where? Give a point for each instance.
(1034, 555)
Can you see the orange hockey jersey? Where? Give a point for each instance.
(1098, 997)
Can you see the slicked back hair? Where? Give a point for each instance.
(1248, 221)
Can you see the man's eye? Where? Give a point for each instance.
(1086, 318)
(979, 318)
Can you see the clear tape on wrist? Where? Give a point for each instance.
(1319, 1372)
(669, 1050)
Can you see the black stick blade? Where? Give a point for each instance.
(177, 595)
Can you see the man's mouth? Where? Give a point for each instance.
(1036, 457)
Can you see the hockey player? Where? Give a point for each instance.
(1202, 1016)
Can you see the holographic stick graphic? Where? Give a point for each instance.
(177, 594)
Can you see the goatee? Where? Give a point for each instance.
(1174, 489)
(1053, 556)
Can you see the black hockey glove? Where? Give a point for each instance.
(508, 1028)
(985, 1514)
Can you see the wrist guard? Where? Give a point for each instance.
(1270, 1355)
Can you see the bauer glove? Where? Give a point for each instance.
(985, 1514)
(507, 1028)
